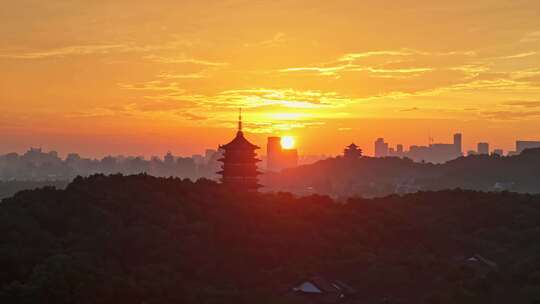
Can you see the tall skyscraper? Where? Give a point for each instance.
(273, 151)
(289, 158)
(483, 148)
(278, 158)
(209, 155)
(168, 159)
(381, 148)
(458, 144)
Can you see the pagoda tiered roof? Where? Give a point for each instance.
(239, 143)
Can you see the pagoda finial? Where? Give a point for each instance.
(239, 119)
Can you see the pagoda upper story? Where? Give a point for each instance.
(239, 169)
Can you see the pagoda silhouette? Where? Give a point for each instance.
(239, 169)
(352, 151)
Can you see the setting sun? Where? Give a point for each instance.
(287, 142)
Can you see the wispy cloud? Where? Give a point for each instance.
(520, 55)
(473, 69)
(65, 51)
(510, 115)
(401, 52)
(378, 72)
(170, 76)
(182, 59)
(96, 112)
(277, 39)
(329, 71)
(162, 105)
(142, 109)
(192, 116)
(288, 98)
(524, 103)
(154, 85)
(353, 62)
(531, 37)
(525, 75)
(409, 109)
(278, 125)
(92, 49)
(355, 56)
(391, 73)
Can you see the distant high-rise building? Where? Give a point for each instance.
(381, 148)
(458, 144)
(440, 153)
(168, 159)
(399, 148)
(198, 158)
(289, 158)
(419, 153)
(526, 144)
(209, 155)
(273, 151)
(278, 158)
(73, 157)
(483, 148)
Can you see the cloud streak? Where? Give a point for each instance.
(523, 103)
(184, 60)
(94, 49)
(357, 62)
(66, 51)
(277, 39)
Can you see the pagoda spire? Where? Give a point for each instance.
(239, 119)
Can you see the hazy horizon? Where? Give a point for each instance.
(147, 145)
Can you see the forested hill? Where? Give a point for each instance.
(141, 239)
(9, 188)
(371, 177)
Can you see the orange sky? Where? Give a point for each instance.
(144, 77)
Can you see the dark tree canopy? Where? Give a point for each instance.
(141, 239)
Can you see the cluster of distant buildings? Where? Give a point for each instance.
(521, 145)
(443, 152)
(433, 153)
(38, 165)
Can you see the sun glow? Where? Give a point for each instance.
(287, 142)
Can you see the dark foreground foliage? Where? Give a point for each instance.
(141, 239)
(9, 188)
